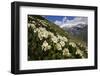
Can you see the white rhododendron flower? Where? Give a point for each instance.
(41, 29)
(54, 39)
(66, 52)
(33, 22)
(59, 37)
(62, 43)
(30, 17)
(58, 46)
(65, 39)
(62, 38)
(72, 44)
(42, 32)
(78, 52)
(32, 25)
(49, 47)
(45, 46)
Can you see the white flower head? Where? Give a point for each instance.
(72, 44)
(54, 39)
(32, 25)
(78, 52)
(60, 37)
(41, 29)
(45, 46)
(58, 46)
(33, 22)
(49, 47)
(62, 43)
(66, 52)
(30, 17)
(65, 39)
(42, 33)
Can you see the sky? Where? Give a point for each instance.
(59, 18)
(67, 21)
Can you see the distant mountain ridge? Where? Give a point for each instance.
(79, 31)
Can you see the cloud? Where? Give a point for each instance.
(58, 22)
(70, 23)
(64, 19)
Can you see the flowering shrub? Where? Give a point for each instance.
(45, 46)
(46, 42)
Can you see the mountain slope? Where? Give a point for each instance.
(48, 41)
(78, 31)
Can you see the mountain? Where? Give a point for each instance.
(48, 41)
(78, 31)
